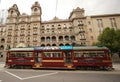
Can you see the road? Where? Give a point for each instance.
(30, 75)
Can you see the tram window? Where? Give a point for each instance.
(21, 54)
(86, 54)
(93, 54)
(100, 53)
(12, 55)
(46, 55)
(57, 55)
(78, 54)
(38, 54)
(30, 54)
(52, 55)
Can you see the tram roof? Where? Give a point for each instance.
(89, 47)
(54, 48)
(59, 48)
(22, 49)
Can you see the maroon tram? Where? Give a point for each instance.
(66, 57)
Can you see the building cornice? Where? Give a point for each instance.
(104, 15)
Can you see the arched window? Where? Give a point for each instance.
(48, 39)
(53, 44)
(60, 38)
(48, 45)
(42, 39)
(53, 38)
(2, 40)
(61, 44)
(67, 44)
(66, 38)
(2, 47)
(42, 45)
(35, 10)
(72, 38)
(11, 13)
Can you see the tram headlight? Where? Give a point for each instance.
(31, 60)
(9, 60)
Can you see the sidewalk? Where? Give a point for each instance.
(2, 64)
(116, 66)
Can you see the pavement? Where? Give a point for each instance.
(116, 66)
(2, 64)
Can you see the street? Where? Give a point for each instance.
(31, 75)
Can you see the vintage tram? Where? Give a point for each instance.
(62, 57)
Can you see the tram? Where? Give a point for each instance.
(62, 57)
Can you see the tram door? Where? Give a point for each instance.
(38, 57)
(68, 57)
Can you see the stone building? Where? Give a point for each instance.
(22, 30)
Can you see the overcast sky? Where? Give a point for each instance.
(64, 7)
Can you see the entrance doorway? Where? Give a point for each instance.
(68, 57)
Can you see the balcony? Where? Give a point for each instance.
(81, 31)
(16, 29)
(35, 33)
(34, 40)
(70, 27)
(8, 41)
(28, 35)
(80, 24)
(22, 34)
(22, 41)
(82, 38)
(28, 28)
(16, 35)
(22, 29)
(15, 41)
(9, 35)
(35, 27)
(59, 27)
(42, 29)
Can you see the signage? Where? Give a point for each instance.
(66, 47)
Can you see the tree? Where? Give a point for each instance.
(8, 47)
(110, 38)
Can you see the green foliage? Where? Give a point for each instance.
(8, 47)
(110, 38)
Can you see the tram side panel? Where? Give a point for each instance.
(19, 59)
(92, 59)
(50, 59)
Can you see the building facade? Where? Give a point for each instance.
(22, 30)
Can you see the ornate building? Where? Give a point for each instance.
(22, 30)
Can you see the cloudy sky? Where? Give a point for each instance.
(64, 7)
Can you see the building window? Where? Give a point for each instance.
(113, 23)
(52, 25)
(89, 22)
(65, 26)
(12, 13)
(91, 37)
(35, 10)
(82, 36)
(48, 39)
(80, 23)
(90, 29)
(100, 25)
(34, 39)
